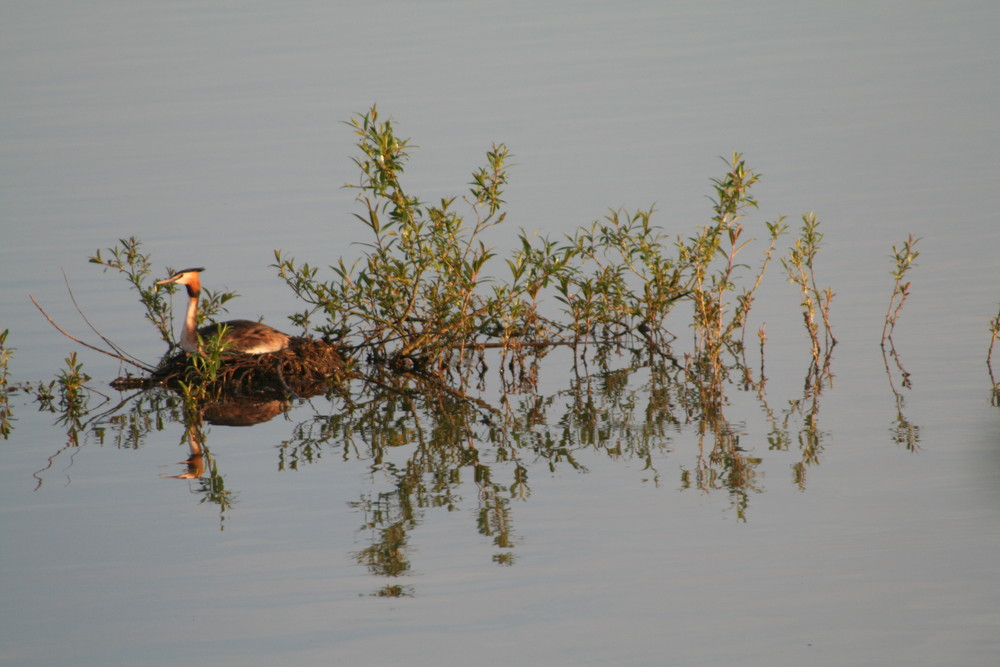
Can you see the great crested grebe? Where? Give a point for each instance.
(244, 336)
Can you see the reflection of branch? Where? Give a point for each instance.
(92, 347)
(727, 464)
(72, 416)
(904, 432)
(70, 444)
(995, 395)
(903, 374)
(995, 331)
(819, 373)
(810, 436)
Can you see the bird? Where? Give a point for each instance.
(242, 336)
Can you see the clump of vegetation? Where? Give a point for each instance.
(419, 301)
(414, 322)
(418, 298)
(71, 384)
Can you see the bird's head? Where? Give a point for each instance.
(188, 277)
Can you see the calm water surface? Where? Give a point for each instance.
(212, 132)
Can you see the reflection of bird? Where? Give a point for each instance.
(241, 335)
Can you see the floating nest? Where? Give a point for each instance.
(307, 367)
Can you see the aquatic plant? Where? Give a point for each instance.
(418, 297)
(904, 432)
(415, 295)
(904, 257)
(198, 380)
(799, 265)
(71, 383)
(714, 328)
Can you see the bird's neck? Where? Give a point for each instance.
(189, 335)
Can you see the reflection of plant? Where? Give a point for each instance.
(994, 333)
(127, 426)
(71, 404)
(211, 487)
(6, 412)
(429, 448)
(809, 436)
(386, 554)
(147, 412)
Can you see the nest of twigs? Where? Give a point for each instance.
(307, 367)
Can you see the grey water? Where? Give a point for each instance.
(213, 132)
